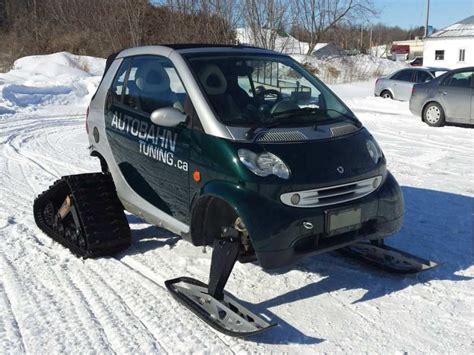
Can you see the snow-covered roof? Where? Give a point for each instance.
(464, 28)
(285, 44)
(320, 46)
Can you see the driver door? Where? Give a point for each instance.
(455, 92)
(153, 159)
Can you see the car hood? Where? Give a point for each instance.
(329, 161)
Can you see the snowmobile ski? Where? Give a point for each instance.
(389, 258)
(83, 213)
(227, 316)
(210, 303)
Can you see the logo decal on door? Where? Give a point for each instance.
(153, 141)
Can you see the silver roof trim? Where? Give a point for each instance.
(229, 49)
(144, 50)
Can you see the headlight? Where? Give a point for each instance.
(374, 150)
(264, 164)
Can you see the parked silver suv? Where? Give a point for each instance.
(399, 84)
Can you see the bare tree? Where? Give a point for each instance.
(315, 17)
(264, 19)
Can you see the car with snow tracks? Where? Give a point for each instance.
(233, 147)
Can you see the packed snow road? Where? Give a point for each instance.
(51, 301)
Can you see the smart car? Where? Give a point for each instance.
(234, 147)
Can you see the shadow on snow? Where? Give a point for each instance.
(438, 226)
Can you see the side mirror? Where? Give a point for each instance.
(167, 117)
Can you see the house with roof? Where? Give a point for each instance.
(452, 47)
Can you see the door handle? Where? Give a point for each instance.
(444, 93)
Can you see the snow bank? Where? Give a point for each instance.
(53, 80)
(346, 69)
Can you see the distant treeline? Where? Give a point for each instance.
(99, 27)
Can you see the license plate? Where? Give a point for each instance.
(338, 220)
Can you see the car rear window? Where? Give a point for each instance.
(404, 75)
(423, 76)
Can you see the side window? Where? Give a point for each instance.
(404, 75)
(439, 55)
(117, 88)
(153, 83)
(460, 79)
(244, 84)
(423, 77)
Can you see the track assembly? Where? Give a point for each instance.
(83, 213)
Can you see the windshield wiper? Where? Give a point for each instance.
(314, 111)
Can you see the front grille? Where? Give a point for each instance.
(332, 195)
(281, 136)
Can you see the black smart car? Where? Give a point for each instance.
(235, 147)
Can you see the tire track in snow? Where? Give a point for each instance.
(66, 320)
(33, 321)
(156, 309)
(11, 340)
(83, 314)
(158, 277)
(180, 315)
(125, 333)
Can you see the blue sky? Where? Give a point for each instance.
(412, 13)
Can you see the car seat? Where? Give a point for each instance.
(216, 86)
(153, 84)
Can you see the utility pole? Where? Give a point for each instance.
(427, 17)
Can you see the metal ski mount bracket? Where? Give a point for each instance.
(211, 303)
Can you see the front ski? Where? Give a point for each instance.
(211, 303)
(389, 258)
(227, 316)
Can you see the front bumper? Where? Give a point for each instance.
(280, 238)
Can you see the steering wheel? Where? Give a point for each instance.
(272, 94)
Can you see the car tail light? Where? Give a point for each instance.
(413, 90)
(87, 117)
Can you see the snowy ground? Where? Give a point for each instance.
(51, 301)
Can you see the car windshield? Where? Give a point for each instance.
(264, 90)
(438, 72)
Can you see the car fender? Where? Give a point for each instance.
(385, 87)
(260, 215)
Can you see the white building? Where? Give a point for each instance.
(452, 47)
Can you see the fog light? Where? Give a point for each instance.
(295, 199)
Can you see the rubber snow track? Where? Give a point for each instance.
(51, 301)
